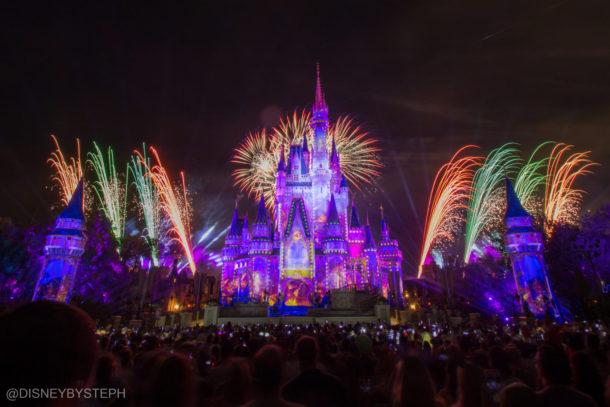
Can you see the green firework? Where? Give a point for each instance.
(109, 189)
(149, 200)
(530, 177)
(487, 189)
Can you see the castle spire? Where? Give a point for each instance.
(319, 117)
(74, 210)
(63, 249)
(514, 209)
(320, 102)
(334, 156)
(384, 226)
(333, 216)
(261, 216)
(235, 230)
(305, 147)
(385, 231)
(354, 221)
(281, 166)
(369, 242)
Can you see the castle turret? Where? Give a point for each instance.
(230, 252)
(245, 235)
(335, 169)
(334, 243)
(261, 248)
(319, 119)
(320, 171)
(525, 246)
(63, 250)
(305, 150)
(261, 229)
(280, 191)
(385, 230)
(390, 266)
(355, 235)
(370, 253)
(334, 157)
(234, 235)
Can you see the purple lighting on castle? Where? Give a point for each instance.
(315, 242)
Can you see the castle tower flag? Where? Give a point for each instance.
(524, 245)
(63, 249)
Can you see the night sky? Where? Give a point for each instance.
(425, 77)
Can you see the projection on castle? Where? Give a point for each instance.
(316, 241)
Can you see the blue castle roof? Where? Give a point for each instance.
(334, 156)
(369, 242)
(354, 222)
(281, 166)
(235, 229)
(333, 216)
(514, 209)
(261, 216)
(74, 210)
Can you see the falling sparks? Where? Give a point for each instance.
(109, 189)
(148, 200)
(561, 201)
(450, 190)
(175, 211)
(258, 155)
(67, 173)
(487, 189)
(358, 154)
(530, 179)
(257, 164)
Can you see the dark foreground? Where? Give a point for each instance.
(53, 346)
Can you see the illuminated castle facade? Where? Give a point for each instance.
(524, 246)
(63, 249)
(316, 242)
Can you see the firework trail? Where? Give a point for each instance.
(109, 189)
(561, 201)
(68, 173)
(358, 154)
(530, 179)
(177, 213)
(291, 130)
(485, 203)
(149, 199)
(257, 165)
(258, 155)
(450, 190)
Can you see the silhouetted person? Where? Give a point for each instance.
(471, 387)
(587, 378)
(106, 377)
(46, 344)
(105, 370)
(236, 388)
(554, 371)
(518, 395)
(174, 384)
(499, 374)
(313, 387)
(267, 373)
(413, 386)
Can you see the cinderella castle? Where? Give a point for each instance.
(316, 243)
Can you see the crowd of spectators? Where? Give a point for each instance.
(520, 363)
